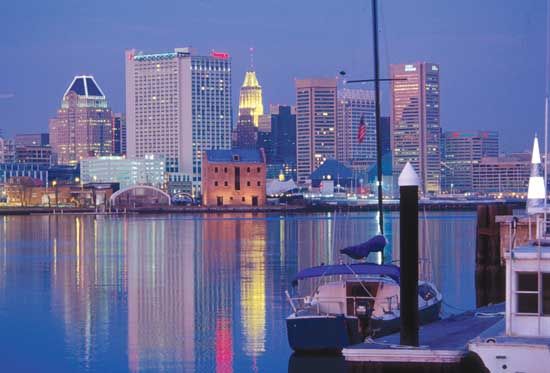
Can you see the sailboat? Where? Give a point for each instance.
(356, 300)
(353, 301)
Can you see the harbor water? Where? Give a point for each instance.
(204, 293)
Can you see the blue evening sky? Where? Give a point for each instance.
(491, 52)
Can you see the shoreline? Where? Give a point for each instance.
(285, 209)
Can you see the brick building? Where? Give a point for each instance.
(234, 177)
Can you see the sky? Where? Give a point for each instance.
(492, 53)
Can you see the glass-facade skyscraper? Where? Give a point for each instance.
(83, 125)
(415, 127)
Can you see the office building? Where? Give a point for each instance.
(460, 151)
(178, 105)
(32, 139)
(356, 127)
(33, 148)
(416, 122)
(277, 136)
(149, 170)
(316, 101)
(250, 98)
(505, 175)
(83, 125)
(16, 170)
(234, 177)
(119, 134)
(7, 150)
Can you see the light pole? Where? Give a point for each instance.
(54, 184)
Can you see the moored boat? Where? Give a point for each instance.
(362, 301)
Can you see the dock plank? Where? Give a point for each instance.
(441, 341)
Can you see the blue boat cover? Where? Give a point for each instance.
(377, 243)
(389, 270)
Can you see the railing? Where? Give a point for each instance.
(542, 228)
(313, 304)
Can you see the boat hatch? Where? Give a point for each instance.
(360, 297)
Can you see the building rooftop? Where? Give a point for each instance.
(85, 85)
(235, 155)
(333, 168)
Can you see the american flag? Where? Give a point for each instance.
(362, 130)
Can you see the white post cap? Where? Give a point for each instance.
(408, 176)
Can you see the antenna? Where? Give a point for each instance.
(546, 103)
(251, 50)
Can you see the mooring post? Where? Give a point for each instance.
(408, 251)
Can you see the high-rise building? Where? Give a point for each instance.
(277, 136)
(83, 125)
(245, 135)
(315, 124)
(460, 151)
(250, 99)
(385, 125)
(119, 134)
(178, 105)
(356, 127)
(416, 121)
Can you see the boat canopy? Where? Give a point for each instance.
(389, 270)
(377, 243)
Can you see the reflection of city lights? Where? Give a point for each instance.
(224, 346)
(253, 297)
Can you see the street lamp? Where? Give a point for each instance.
(54, 184)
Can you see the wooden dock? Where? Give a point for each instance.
(443, 342)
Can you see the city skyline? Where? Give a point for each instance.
(512, 42)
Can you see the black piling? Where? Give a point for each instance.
(408, 230)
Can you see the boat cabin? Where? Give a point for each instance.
(370, 297)
(528, 290)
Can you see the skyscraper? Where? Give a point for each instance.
(119, 134)
(277, 136)
(178, 105)
(356, 109)
(83, 125)
(416, 121)
(315, 124)
(460, 151)
(250, 99)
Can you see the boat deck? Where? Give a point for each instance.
(443, 341)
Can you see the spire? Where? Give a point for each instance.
(251, 50)
(535, 159)
(536, 191)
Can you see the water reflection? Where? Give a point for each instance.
(184, 293)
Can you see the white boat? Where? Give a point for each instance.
(523, 342)
(363, 301)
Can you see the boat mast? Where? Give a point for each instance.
(546, 103)
(377, 115)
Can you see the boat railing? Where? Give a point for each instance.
(339, 305)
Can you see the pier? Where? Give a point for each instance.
(443, 343)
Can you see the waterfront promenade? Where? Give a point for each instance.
(304, 208)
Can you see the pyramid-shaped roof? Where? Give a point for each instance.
(85, 85)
